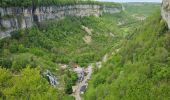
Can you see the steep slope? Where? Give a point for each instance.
(50, 44)
(64, 41)
(25, 16)
(72, 41)
(140, 70)
(165, 11)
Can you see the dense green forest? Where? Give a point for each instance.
(61, 41)
(73, 40)
(137, 66)
(27, 3)
(139, 70)
(7, 3)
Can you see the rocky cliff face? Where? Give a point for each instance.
(18, 18)
(165, 11)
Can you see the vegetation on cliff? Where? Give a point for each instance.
(29, 84)
(72, 40)
(140, 70)
(141, 9)
(27, 3)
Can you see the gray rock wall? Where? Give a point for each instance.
(165, 11)
(15, 18)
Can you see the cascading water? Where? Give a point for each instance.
(51, 78)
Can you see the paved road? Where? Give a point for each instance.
(79, 85)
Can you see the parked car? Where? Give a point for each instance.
(83, 89)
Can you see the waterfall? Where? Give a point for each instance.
(51, 78)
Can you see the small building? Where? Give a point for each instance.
(63, 66)
(74, 88)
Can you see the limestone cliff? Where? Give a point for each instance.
(165, 11)
(14, 18)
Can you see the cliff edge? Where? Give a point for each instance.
(14, 18)
(165, 11)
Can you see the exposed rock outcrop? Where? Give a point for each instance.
(15, 18)
(165, 11)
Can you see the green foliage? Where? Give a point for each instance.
(62, 41)
(141, 68)
(27, 3)
(59, 42)
(141, 9)
(29, 84)
(70, 80)
(68, 87)
(133, 73)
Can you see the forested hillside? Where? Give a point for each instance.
(73, 40)
(141, 9)
(28, 3)
(140, 68)
(136, 66)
